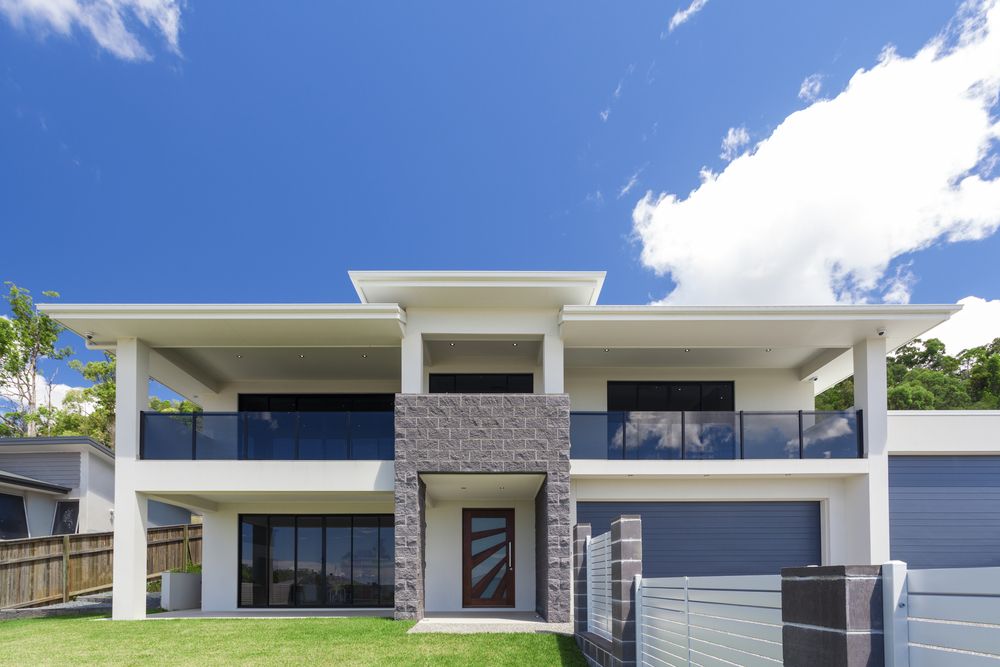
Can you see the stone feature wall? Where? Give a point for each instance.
(484, 433)
(832, 616)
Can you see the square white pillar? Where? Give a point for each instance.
(553, 370)
(132, 396)
(412, 371)
(870, 396)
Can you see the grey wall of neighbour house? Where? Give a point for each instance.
(944, 511)
(717, 538)
(162, 514)
(61, 468)
(484, 433)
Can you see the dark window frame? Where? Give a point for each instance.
(527, 378)
(382, 519)
(355, 402)
(670, 383)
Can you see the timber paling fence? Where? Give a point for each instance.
(44, 570)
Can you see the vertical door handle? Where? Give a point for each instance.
(510, 561)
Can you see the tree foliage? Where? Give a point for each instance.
(923, 376)
(26, 338)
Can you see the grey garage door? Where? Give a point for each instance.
(944, 511)
(717, 538)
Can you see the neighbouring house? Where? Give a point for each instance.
(429, 448)
(63, 485)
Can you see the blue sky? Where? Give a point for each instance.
(262, 150)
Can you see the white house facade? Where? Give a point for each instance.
(429, 448)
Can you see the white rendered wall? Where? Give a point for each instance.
(755, 389)
(443, 557)
(220, 542)
(99, 500)
(944, 432)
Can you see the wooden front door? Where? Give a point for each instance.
(487, 558)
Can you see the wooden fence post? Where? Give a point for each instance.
(185, 555)
(65, 568)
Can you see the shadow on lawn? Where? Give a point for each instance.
(569, 652)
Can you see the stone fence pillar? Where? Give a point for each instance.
(832, 616)
(626, 563)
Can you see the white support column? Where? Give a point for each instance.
(132, 396)
(412, 371)
(870, 395)
(553, 370)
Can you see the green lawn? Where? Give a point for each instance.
(311, 641)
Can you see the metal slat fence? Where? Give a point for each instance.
(709, 621)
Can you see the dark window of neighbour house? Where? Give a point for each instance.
(337, 560)
(66, 518)
(13, 521)
(481, 383)
(670, 396)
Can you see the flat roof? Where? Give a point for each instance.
(479, 289)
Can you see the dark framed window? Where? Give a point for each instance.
(316, 560)
(13, 520)
(481, 383)
(316, 402)
(671, 396)
(66, 518)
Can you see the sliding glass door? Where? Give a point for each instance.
(337, 560)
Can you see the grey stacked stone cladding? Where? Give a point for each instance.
(484, 433)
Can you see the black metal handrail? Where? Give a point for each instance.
(802, 434)
(269, 436)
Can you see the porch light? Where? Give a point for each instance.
(767, 349)
(687, 349)
(302, 356)
(607, 349)
(239, 356)
(364, 356)
(514, 344)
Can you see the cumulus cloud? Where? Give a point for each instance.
(46, 391)
(110, 22)
(896, 162)
(682, 16)
(978, 323)
(810, 88)
(734, 141)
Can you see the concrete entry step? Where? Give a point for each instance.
(473, 622)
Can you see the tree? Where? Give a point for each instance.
(171, 406)
(26, 338)
(99, 398)
(923, 376)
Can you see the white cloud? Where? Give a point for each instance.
(682, 16)
(604, 115)
(736, 138)
(44, 393)
(816, 214)
(978, 323)
(107, 21)
(811, 87)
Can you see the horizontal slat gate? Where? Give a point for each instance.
(954, 617)
(709, 621)
(599, 585)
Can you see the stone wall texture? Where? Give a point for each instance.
(484, 433)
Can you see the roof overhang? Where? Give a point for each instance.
(234, 325)
(9, 480)
(830, 331)
(479, 289)
(62, 443)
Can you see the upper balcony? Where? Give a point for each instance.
(268, 436)
(716, 435)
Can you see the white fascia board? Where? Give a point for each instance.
(593, 281)
(210, 311)
(755, 313)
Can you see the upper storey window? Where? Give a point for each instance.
(670, 396)
(482, 383)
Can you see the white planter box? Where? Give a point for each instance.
(180, 590)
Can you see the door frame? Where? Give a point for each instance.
(467, 513)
